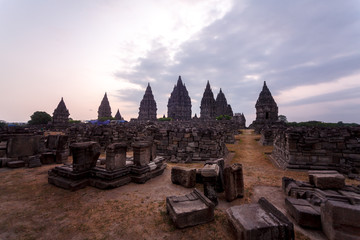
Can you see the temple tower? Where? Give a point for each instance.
(104, 108)
(207, 107)
(179, 104)
(147, 110)
(61, 114)
(118, 116)
(221, 105)
(266, 109)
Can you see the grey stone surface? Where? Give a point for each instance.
(305, 214)
(340, 220)
(259, 221)
(183, 176)
(234, 182)
(190, 210)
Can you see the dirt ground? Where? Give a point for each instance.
(30, 208)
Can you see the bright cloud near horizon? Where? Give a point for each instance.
(308, 52)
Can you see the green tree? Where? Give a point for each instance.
(39, 118)
(283, 118)
(2, 124)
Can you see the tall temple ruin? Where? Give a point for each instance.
(118, 116)
(266, 109)
(207, 107)
(104, 108)
(147, 110)
(179, 104)
(221, 105)
(61, 114)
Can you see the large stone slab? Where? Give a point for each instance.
(23, 145)
(259, 221)
(326, 180)
(183, 176)
(234, 182)
(190, 210)
(16, 164)
(303, 212)
(340, 220)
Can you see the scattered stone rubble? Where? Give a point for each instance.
(118, 170)
(32, 149)
(259, 221)
(190, 210)
(324, 202)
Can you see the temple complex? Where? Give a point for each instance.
(179, 104)
(207, 107)
(104, 108)
(147, 110)
(221, 105)
(118, 116)
(61, 114)
(266, 109)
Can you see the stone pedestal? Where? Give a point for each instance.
(115, 156)
(142, 153)
(76, 176)
(234, 182)
(85, 155)
(190, 210)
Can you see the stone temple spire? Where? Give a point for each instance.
(179, 104)
(266, 109)
(221, 104)
(61, 114)
(104, 108)
(207, 107)
(118, 116)
(147, 110)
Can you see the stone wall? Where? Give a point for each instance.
(318, 148)
(182, 141)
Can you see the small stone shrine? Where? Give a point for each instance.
(221, 105)
(147, 110)
(266, 110)
(207, 107)
(179, 104)
(104, 108)
(61, 114)
(118, 116)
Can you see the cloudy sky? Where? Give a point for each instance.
(308, 52)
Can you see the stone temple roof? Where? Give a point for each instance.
(61, 109)
(104, 108)
(265, 97)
